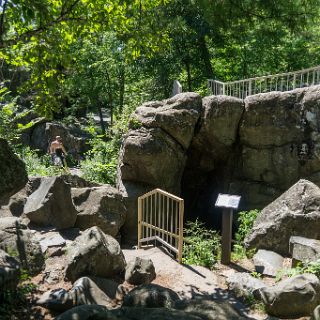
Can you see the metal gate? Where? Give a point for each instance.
(160, 218)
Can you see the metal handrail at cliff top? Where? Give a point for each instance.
(277, 82)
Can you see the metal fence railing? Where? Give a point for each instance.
(277, 82)
(160, 218)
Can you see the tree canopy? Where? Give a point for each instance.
(71, 55)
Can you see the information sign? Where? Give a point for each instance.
(228, 201)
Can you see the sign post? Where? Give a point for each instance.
(228, 203)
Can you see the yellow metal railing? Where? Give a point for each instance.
(160, 218)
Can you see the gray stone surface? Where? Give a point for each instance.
(94, 312)
(150, 296)
(295, 213)
(51, 204)
(140, 271)
(209, 309)
(18, 240)
(243, 284)
(85, 312)
(293, 297)
(9, 272)
(84, 291)
(13, 172)
(160, 130)
(94, 253)
(103, 207)
(304, 249)
(52, 239)
(267, 262)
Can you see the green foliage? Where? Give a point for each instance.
(308, 267)
(246, 220)
(254, 304)
(37, 165)
(201, 246)
(11, 301)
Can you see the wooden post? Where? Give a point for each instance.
(226, 235)
(139, 222)
(181, 213)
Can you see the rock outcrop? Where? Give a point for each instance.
(94, 253)
(13, 175)
(295, 213)
(154, 152)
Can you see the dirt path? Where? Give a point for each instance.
(190, 281)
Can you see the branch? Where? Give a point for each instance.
(27, 34)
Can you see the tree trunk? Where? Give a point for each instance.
(121, 89)
(205, 55)
(187, 64)
(103, 127)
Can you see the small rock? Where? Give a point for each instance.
(267, 262)
(293, 297)
(150, 296)
(140, 271)
(243, 284)
(304, 249)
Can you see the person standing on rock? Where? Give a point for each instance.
(58, 152)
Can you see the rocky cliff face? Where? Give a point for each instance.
(257, 148)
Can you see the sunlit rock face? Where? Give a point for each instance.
(257, 148)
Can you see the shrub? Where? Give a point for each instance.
(14, 302)
(245, 220)
(308, 267)
(37, 165)
(201, 245)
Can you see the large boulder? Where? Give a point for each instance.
(100, 206)
(151, 296)
(17, 240)
(140, 271)
(176, 116)
(13, 172)
(293, 297)
(9, 272)
(154, 151)
(279, 132)
(51, 204)
(218, 128)
(294, 213)
(94, 253)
